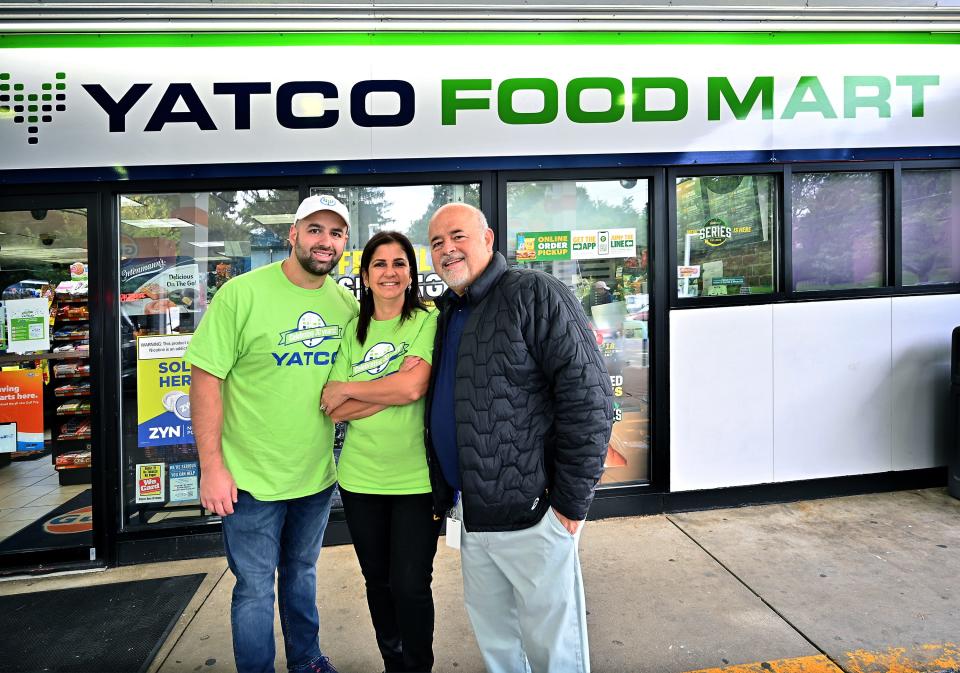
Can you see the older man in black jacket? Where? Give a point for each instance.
(519, 416)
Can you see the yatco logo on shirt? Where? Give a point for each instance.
(379, 357)
(311, 331)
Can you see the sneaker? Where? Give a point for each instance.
(320, 665)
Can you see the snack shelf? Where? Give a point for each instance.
(77, 394)
(10, 359)
(70, 422)
(72, 467)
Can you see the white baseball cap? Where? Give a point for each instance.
(318, 202)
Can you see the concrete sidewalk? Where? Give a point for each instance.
(866, 583)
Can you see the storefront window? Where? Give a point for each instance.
(176, 250)
(46, 435)
(838, 221)
(592, 235)
(726, 228)
(931, 227)
(406, 209)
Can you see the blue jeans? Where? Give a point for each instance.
(267, 540)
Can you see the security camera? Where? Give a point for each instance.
(628, 183)
(47, 239)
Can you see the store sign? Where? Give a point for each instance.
(543, 246)
(163, 391)
(551, 246)
(603, 243)
(75, 106)
(21, 404)
(150, 483)
(430, 284)
(715, 232)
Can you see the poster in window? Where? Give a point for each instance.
(184, 481)
(150, 486)
(28, 325)
(163, 391)
(21, 402)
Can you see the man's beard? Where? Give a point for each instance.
(315, 266)
(456, 280)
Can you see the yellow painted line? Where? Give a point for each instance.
(928, 658)
(918, 658)
(813, 664)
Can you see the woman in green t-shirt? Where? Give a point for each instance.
(377, 384)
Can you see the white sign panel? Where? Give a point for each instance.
(184, 482)
(183, 106)
(8, 437)
(28, 325)
(603, 243)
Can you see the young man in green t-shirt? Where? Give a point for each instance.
(260, 358)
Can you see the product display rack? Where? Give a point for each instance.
(70, 383)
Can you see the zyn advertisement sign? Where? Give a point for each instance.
(85, 106)
(163, 391)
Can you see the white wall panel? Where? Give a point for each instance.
(832, 388)
(921, 379)
(721, 414)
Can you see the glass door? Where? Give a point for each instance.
(48, 442)
(593, 236)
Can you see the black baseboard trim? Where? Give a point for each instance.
(171, 548)
(610, 504)
(199, 545)
(25, 565)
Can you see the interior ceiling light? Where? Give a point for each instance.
(127, 202)
(283, 218)
(158, 223)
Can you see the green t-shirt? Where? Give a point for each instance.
(385, 453)
(274, 344)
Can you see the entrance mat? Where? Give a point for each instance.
(69, 525)
(109, 628)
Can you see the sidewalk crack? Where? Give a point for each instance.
(751, 590)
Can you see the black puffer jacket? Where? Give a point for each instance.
(532, 400)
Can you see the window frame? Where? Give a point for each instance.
(659, 352)
(777, 241)
(886, 170)
(127, 528)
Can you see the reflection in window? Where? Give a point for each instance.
(592, 236)
(726, 226)
(837, 231)
(406, 209)
(931, 227)
(176, 250)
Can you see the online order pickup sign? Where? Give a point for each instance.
(163, 387)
